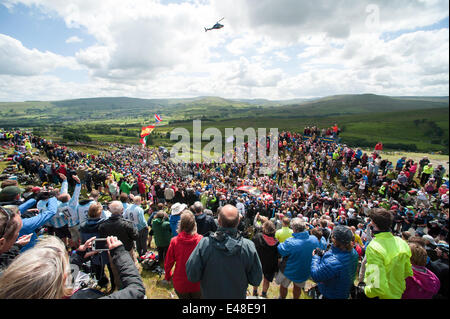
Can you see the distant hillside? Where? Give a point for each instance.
(356, 104)
(124, 109)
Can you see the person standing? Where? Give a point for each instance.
(162, 234)
(427, 172)
(285, 232)
(123, 229)
(387, 259)
(224, 262)
(335, 271)
(175, 211)
(205, 223)
(423, 284)
(180, 249)
(266, 246)
(135, 214)
(88, 230)
(298, 249)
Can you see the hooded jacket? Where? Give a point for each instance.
(205, 224)
(180, 249)
(388, 265)
(424, 284)
(225, 263)
(335, 272)
(266, 246)
(162, 232)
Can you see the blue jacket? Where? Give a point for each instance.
(335, 272)
(298, 249)
(29, 225)
(174, 219)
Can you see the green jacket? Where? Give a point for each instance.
(125, 188)
(388, 265)
(162, 232)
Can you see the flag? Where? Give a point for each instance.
(147, 130)
(158, 118)
(143, 140)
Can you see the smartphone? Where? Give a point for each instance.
(99, 244)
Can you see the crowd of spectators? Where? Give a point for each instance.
(339, 222)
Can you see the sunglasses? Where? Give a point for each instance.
(8, 214)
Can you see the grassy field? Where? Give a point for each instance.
(410, 123)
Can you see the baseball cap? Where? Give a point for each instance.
(342, 234)
(443, 247)
(9, 193)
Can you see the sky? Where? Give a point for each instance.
(273, 49)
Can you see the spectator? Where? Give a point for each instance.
(10, 246)
(386, 280)
(335, 271)
(225, 263)
(84, 205)
(123, 229)
(205, 223)
(298, 249)
(162, 234)
(66, 210)
(423, 284)
(174, 218)
(285, 232)
(41, 272)
(427, 172)
(135, 214)
(169, 194)
(88, 230)
(180, 249)
(318, 233)
(440, 269)
(266, 246)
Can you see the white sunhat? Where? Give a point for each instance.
(177, 208)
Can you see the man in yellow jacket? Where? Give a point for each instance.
(427, 172)
(388, 259)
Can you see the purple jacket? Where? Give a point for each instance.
(422, 285)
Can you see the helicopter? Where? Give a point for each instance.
(216, 26)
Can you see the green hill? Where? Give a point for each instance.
(366, 118)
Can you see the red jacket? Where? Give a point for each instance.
(180, 249)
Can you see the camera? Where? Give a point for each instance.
(99, 244)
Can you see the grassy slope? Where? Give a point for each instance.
(389, 127)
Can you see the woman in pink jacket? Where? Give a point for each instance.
(423, 284)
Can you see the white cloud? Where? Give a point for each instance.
(15, 59)
(74, 39)
(145, 48)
